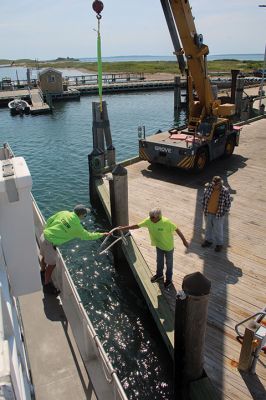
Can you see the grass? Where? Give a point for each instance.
(150, 67)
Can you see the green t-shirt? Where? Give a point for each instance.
(64, 226)
(161, 232)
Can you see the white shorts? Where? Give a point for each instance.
(48, 251)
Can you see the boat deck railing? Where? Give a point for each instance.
(15, 379)
(103, 376)
(96, 361)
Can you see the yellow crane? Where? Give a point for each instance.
(209, 133)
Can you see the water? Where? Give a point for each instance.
(211, 57)
(55, 147)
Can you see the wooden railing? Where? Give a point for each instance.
(107, 78)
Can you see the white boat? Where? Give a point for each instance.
(19, 106)
(48, 346)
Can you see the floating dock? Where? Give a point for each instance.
(238, 273)
(33, 96)
(38, 104)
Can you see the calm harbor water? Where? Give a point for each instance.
(55, 147)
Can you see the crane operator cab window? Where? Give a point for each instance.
(204, 128)
(219, 131)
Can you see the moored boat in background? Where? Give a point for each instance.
(19, 106)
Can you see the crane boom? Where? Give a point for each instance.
(174, 36)
(209, 133)
(181, 24)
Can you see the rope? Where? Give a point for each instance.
(103, 250)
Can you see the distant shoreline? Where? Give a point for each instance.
(152, 68)
(146, 57)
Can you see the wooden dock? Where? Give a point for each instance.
(33, 96)
(38, 105)
(238, 273)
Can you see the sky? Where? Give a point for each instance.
(47, 29)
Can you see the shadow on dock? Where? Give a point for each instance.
(216, 267)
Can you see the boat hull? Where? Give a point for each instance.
(18, 107)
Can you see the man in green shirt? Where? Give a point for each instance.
(61, 228)
(161, 232)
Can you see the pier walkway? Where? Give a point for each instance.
(238, 273)
(38, 105)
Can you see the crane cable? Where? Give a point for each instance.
(100, 73)
(98, 7)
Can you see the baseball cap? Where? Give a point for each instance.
(80, 209)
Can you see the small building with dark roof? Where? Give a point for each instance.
(51, 81)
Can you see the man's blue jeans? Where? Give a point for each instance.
(169, 258)
(214, 229)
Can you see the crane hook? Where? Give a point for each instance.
(97, 6)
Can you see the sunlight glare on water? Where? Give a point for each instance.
(56, 147)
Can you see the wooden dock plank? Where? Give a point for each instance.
(238, 274)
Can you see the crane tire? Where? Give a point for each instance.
(229, 147)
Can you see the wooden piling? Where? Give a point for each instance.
(240, 82)
(190, 327)
(234, 73)
(96, 167)
(177, 93)
(179, 351)
(118, 187)
(28, 77)
(97, 127)
(101, 133)
(110, 156)
(119, 196)
(103, 153)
